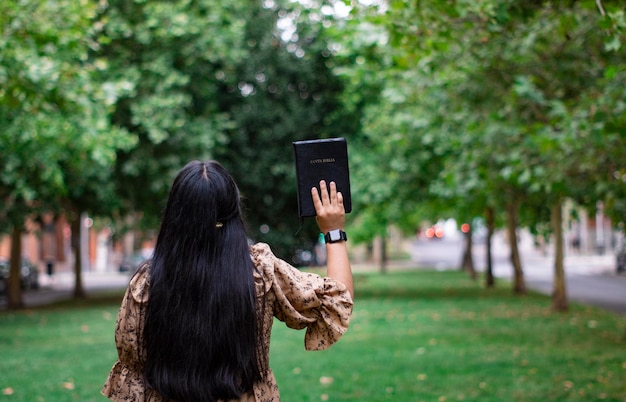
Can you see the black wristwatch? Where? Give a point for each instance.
(335, 236)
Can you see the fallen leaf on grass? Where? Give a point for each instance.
(326, 380)
(68, 385)
(7, 391)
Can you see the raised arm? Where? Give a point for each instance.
(330, 217)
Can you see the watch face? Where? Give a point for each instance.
(335, 235)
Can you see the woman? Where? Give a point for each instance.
(196, 319)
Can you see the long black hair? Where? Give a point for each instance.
(201, 330)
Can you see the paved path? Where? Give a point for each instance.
(61, 287)
(590, 279)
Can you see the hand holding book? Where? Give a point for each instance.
(328, 207)
(315, 160)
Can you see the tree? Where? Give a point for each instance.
(215, 80)
(507, 76)
(283, 92)
(172, 57)
(53, 114)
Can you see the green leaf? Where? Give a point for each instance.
(613, 44)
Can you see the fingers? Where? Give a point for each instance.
(317, 202)
(329, 209)
(333, 193)
(324, 197)
(324, 192)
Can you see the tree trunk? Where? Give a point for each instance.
(383, 253)
(79, 291)
(559, 294)
(468, 261)
(519, 285)
(14, 290)
(490, 281)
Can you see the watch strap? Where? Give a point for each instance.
(335, 236)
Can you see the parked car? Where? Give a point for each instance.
(621, 261)
(29, 275)
(130, 263)
(303, 258)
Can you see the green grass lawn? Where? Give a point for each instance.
(414, 336)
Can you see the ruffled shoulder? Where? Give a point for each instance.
(140, 284)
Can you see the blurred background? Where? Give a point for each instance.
(464, 120)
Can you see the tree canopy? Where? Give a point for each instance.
(57, 144)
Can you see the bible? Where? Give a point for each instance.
(315, 160)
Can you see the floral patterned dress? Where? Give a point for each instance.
(301, 300)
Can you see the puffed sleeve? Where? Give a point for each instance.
(306, 300)
(125, 381)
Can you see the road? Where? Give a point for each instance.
(590, 279)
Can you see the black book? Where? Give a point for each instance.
(316, 160)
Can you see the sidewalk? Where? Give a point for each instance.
(61, 287)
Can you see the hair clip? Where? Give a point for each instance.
(219, 224)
